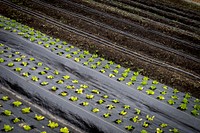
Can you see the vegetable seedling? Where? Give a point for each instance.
(89, 96)
(149, 118)
(44, 83)
(10, 64)
(163, 125)
(123, 113)
(118, 121)
(66, 77)
(174, 130)
(27, 127)
(64, 93)
(25, 74)
(95, 110)
(95, 91)
(136, 119)
(73, 98)
(32, 59)
(110, 106)
(39, 117)
(2, 60)
(79, 91)
(7, 128)
(17, 103)
(7, 112)
(60, 81)
(64, 130)
(150, 92)
(183, 106)
(138, 111)
(115, 101)
(171, 102)
(105, 96)
(26, 110)
(129, 127)
(160, 97)
(85, 103)
(34, 78)
(16, 120)
(106, 115)
(145, 124)
(126, 107)
(18, 69)
(195, 112)
(52, 124)
(140, 88)
(101, 101)
(5, 98)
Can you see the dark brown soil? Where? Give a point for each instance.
(164, 75)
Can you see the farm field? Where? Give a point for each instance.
(99, 66)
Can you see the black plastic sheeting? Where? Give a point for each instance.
(81, 116)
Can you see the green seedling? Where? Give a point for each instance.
(44, 83)
(110, 106)
(86, 63)
(70, 87)
(160, 97)
(101, 101)
(89, 96)
(163, 125)
(52, 124)
(171, 102)
(187, 95)
(185, 100)
(149, 118)
(195, 112)
(60, 81)
(64, 130)
(137, 111)
(102, 71)
(140, 88)
(95, 91)
(144, 82)
(95, 110)
(175, 91)
(18, 69)
(50, 77)
(66, 77)
(174, 130)
(153, 87)
(54, 88)
(7, 128)
(84, 86)
(93, 66)
(143, 131)
(155, 82)
(17, 103)
(5, 98)
(123, 113)
(105, 96)
(145, 124)
(115, 101)
(39, 117)
(75, 81)
(16, 120)
(158, 130)
(2, 60)
(56, 72)
(136, 119)
(197, 106)
(129, 83)
(42, 72)
(17, 59)
(10, 64)
(73, 98)
(39, 63)
(121, 79)
(63, 93)
(183, 106)
(24, 64)
(163, 92)
(118, 66)
(118, 121)
(27, 127)
(7, 113)
(150, 92)
(129, 127)
(126, 107)
(26, 110)
(79, 91)
(111, 75)
(106, 115)
(85, 103)
(77, 59)
(174, 97)
(133, 78)
(34, 78)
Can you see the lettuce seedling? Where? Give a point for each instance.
(174, 130)
(144, 82)
(24, 64)
(140, 88)
(111, 75)
(121, 79)
(118, 121)
(98, 63)
(149, 118)
(5, 98)
(73, 98)
(7, 128)
(158, 130)
(64, 93)
(102, 71)
(133, 78)
(153, 87)
(90, 60)
(105, 96)
(10, 64)
(60, 81)
(150, 92)
(17, 59)
(95, 110)
(160, 97)
(77, 59)
(84, 86)
(123, 113)
(129, 127)
(174, 97)
(89, 96)
(79, 91)
(195, 112)
(50, 77)
(17, 103)
(129, 83)
(56, 72)
(197, 107)
(7, 112)
(143, 131)
(101, 101)
(163, 125)
(171, 102)
(106, 115)
(2, 60)
(175, 91)
(27, 127)
(138, 111)
(52, 124)
(66, 77)
(106, 66)
(95, 91)
(54, 88)
(16, 120)
(39, 63)
(34, 78)
(155, 82)
(64, 130)
(145, 124)
(187, 95)
(183, 106)
(185, 100)
(163, 92)
(115, 101)
(126, 107)
(44, 83)
(110, 106)
(75, 81)
(136, 119)
(26, 110)
(39, 117)
(85, 103)
(42, 72)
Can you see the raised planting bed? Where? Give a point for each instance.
(89, 91)
(17, 114)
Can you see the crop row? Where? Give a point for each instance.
(91, 99)
(17, 117)
(133, 79)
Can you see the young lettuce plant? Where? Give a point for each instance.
(64, 130)
(39, 117)
(7, 128)
(106, 115)
(95, 110)
(129, 128)
(27, 127)
(7, 113)
(52, 124)
(5, 98)
(26, 110)
(17, 103)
